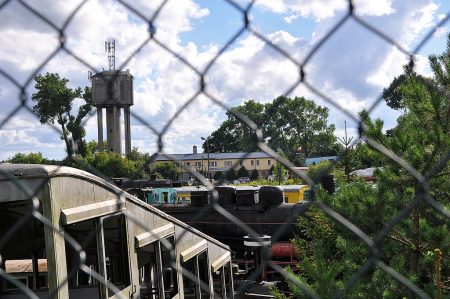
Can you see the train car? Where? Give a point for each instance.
(184, 193)
(296, 193)
(98, 242)
(260, 208)
(160, 195)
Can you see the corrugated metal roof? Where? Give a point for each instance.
(214, 156)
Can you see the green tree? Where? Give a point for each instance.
(166, 171)
(112, 164)
(54, 103)
(254, 175)
(234, 135)
(242, 172)
(230, 175)
(279, 171)
(31, 158)
(297, 126)
(141, 161)
(218, 176)
(421, 138)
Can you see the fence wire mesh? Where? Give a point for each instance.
(33, 214)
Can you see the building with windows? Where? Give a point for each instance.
(218, 162)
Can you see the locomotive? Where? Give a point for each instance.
(262, 209)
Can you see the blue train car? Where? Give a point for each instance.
(160, 195)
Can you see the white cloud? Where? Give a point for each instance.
(324, 9)
(351, 68)
(391, 67)
(374, 8)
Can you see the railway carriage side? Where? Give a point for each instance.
(111, 245)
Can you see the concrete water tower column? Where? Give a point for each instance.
(113, 90)
(126, 121)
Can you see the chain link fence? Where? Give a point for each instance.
(246, 27)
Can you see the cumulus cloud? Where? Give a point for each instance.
(320, 9)
(351, 68)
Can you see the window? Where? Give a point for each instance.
(257, 162)
(222, 281)
(148, 273)
(170, 274)
(188, 164)
(203, 272)
(116, 264)
(85, 233)
(198, 267)
(252, 162)
(213, 164)
(155, 272)
(190, 287)
(198, 165)
(241, 163)
(269, 162)
(228, 163)
(24, 251)
(116, 252)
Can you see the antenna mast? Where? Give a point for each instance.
(110, 48)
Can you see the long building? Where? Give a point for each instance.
(218, 162)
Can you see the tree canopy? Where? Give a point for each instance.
(31, 158)
(166, 171)
(331, 253)
(54, 103)
(297, 126)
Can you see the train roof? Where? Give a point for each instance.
(12, 176)
(190, 188)
(292, 188)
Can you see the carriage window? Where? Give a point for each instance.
(228, 280)
(148, 274)
(156, 269)
(218, 282)
(222, 282)
(189, 284)
(198, 266)
(116, 252)
(24, 257)
(170, 272)
(82, 284)
(203, 271)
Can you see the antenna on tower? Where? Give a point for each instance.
(110, 48)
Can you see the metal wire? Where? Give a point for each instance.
(201, 74)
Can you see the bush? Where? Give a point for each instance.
(254, 175)
(242, 172)
(218, 176)
(230, 175)
(31, 158)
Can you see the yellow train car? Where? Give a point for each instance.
(295, 193)
(184, 193)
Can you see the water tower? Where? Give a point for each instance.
(113, 90)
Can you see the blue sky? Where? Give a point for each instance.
(351, 68)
